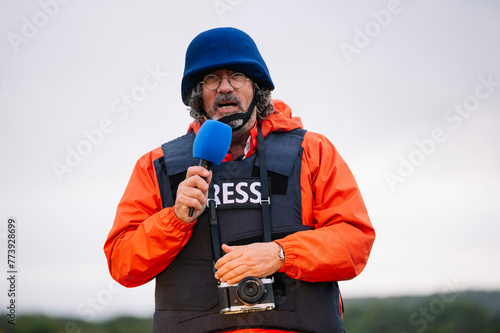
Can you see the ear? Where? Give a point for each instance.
(257, 96)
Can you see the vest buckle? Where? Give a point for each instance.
(212, 205)
(265, 201)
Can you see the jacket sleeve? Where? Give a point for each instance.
(341, 240)
(144, 238)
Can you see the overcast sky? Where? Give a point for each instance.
(408, 92)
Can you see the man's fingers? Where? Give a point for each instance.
(197, 170)
(227, 248)
(256, 259)
(233, 272)
(194, 182)
(229, 256)
(192, 192)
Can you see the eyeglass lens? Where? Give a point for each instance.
(213, 82)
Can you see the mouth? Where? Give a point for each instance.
(227, 106)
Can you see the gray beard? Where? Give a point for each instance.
(234, 124)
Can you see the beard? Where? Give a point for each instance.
(235, 123)
(233, 99)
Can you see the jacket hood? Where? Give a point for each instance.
(281, 120)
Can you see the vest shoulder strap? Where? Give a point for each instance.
(281, 150)
(178, 154)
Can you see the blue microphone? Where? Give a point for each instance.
(211, 145)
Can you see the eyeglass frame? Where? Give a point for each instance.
(228, 78)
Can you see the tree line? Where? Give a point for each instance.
(466, 312)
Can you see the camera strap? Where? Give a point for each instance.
(265, 198)
(265, 201)
(214, 224)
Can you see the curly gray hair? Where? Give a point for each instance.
(264, 105)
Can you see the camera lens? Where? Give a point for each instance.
(250, 290)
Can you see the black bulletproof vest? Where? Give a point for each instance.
(186, 291)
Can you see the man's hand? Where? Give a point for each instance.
(192, 192)
(256, 259)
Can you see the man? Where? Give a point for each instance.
(318, 228)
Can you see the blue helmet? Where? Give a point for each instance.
(223, 48)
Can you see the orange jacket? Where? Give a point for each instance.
(145, 238)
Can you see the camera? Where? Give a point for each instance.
(249, 295)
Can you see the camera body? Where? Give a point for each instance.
(249, 295)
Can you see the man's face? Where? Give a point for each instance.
(226, 100)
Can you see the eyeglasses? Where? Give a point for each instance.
(235, 80)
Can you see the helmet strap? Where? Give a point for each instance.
(245, 116)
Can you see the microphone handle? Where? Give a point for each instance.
(207, 165)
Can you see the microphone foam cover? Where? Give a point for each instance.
(212, 141)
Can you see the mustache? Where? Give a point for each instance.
(229, 97)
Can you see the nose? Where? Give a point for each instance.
(224, 85)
